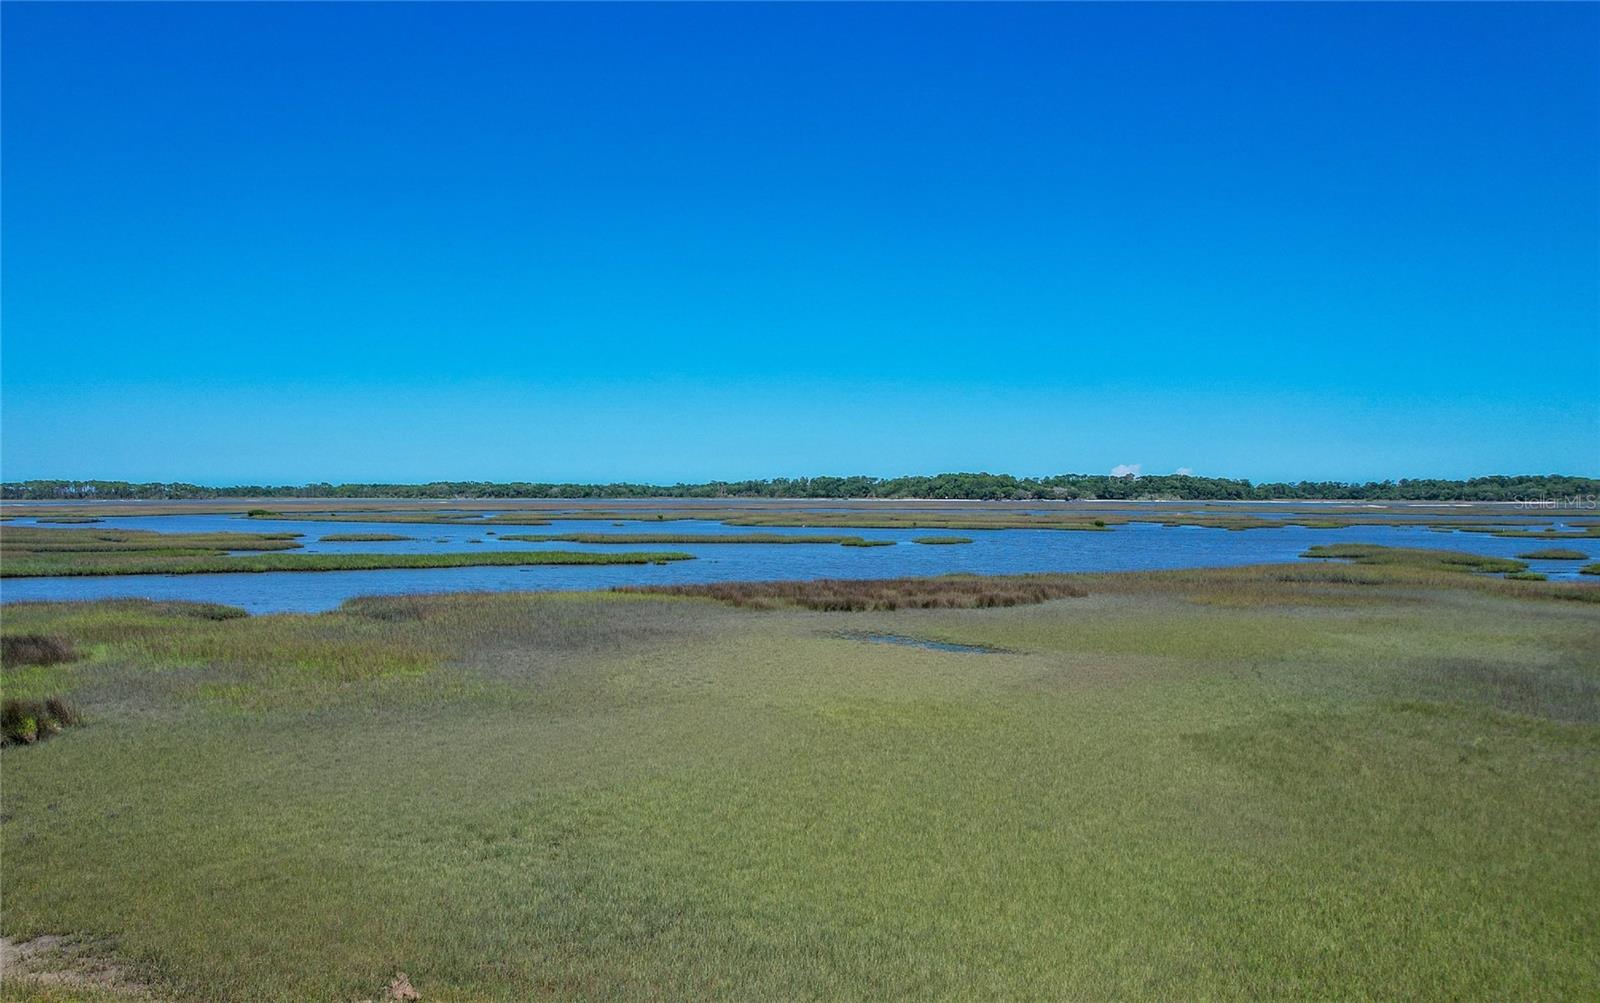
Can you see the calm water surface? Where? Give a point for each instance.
(1134, 547)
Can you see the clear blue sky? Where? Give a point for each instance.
(403, 242)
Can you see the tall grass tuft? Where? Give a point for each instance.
(36, 649)
(23, 722)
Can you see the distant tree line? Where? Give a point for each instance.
(988, 487)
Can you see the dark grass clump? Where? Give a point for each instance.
(140, 608)
(1527, 576)
(395, 608)
(1558, 693)
(941, 541)
(184, 608)
(36, 649)
(1554, 554)
(363, 538)
(844, 595)
(23, 722)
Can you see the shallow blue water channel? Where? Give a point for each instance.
(1132, 547)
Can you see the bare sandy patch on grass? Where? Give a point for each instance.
(68, 962)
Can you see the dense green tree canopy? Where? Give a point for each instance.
(981, 486)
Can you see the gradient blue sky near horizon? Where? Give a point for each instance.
(284, 243)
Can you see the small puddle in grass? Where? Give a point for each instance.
(922, 642)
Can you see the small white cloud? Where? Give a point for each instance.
(1126, 470)
(1183, 472)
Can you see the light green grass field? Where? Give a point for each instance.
(1324, 781)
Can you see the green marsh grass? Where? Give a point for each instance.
(914, 520)
(996, 517)
(1448, 560)
(27, 552)
(424, 518)
(652, 539)
(803, 519)
(185, 564)
(845, 594)
(363, 538)
(941, 541)
(30, 551)
(1554, 554)
(1293, 781)
(30, 540)
(1578, 532)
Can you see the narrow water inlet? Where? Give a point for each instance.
(874, 637)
